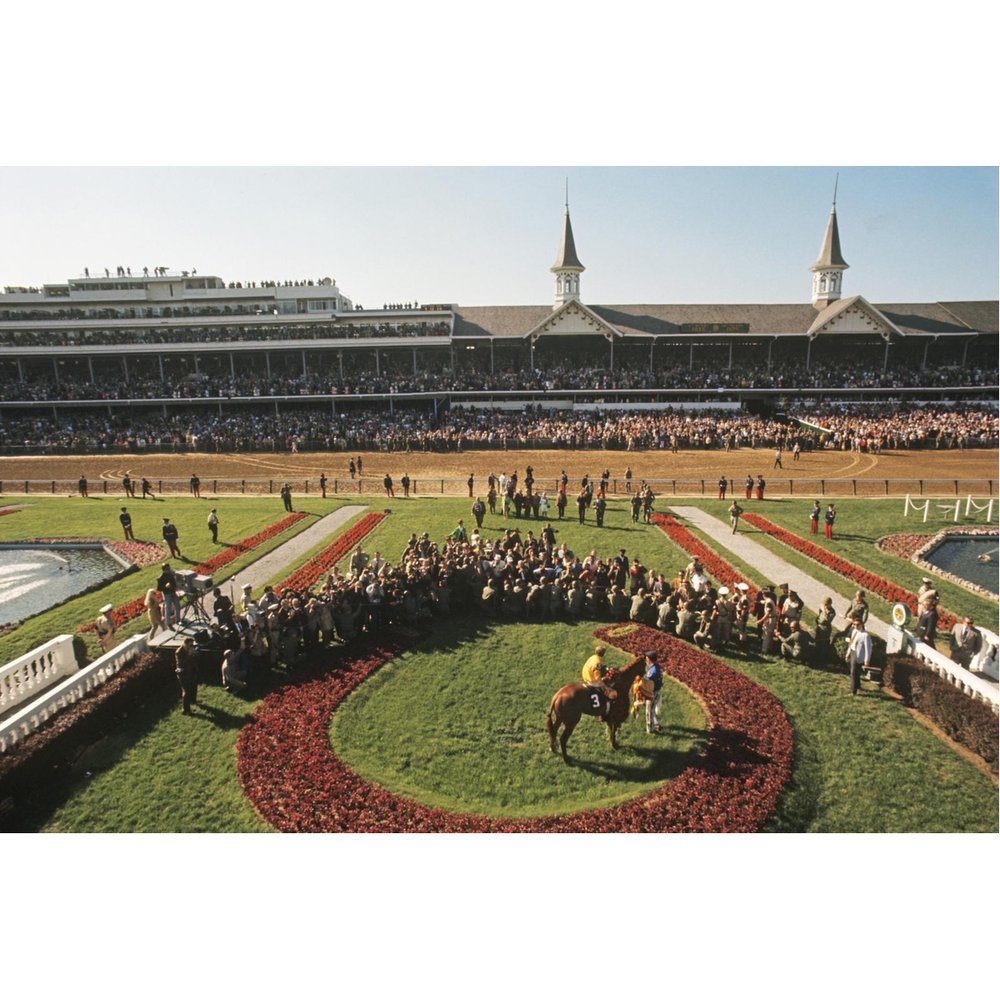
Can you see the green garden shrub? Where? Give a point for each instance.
(968, 721)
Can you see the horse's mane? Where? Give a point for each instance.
(626, 673)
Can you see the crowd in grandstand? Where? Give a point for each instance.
(217, 335)
(457, 428)
(361, 377)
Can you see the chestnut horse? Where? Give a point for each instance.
(571, 702)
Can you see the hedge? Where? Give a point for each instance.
(29, 766)
(968, 721)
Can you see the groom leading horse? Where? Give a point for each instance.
(571, 702)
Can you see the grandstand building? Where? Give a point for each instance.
(160, 342)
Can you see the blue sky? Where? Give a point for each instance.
(487, 235)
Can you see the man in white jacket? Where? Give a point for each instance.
(859, 653)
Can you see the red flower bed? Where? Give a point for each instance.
(903, 546)
(296, 782)
(133, 609)
(139, 554)
(716, 566)
(864, 578)
(308, 573)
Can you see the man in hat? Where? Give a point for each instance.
(105, 628)
(795, 646)
(742, 610)
(725, 615)
(213, 525)
(126, 520)
(927, 594)
(734, 515)
(171, 537)
(654, 673)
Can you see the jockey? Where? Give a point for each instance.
(593, 674)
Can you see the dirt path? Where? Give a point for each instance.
(977, 464)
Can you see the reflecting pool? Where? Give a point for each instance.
(972, 557)
(35, 579)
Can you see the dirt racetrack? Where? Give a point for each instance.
(841, 473)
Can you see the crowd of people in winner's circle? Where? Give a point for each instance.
(519, 575)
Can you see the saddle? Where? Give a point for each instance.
(603, 699)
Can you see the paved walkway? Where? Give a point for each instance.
(773, 567)
(267, 567)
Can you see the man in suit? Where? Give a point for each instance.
(171, 537)
(859, 653)
(966, 641)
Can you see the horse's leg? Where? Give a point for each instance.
(552, 726)
(612, 733)
(568, 728)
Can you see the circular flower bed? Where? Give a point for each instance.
(294, 779)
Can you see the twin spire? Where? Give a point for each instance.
(827, 271)
(567, 267)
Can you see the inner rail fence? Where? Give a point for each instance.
(373, 486)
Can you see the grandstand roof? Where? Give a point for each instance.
(918, 318)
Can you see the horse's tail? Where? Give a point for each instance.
(550, 714)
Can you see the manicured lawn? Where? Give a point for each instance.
(860, 523)
(48, 517)
(463, 728)
(461, 724)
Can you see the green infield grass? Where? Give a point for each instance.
(860, 523)
(59, 517)
(462, 728)
(459, 721)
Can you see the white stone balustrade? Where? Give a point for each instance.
(985, 661)
(33, 716)
(29, 675)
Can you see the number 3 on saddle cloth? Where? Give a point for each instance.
(600, 703)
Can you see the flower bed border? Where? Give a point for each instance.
(296, 782)
(133, 609)
(717, 567)
(874, 582)
(311, 570)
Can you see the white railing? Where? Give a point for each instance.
(32, 717)
(985, 661)
(30, 674)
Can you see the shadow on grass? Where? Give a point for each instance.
(108, 748)
(657, 764)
